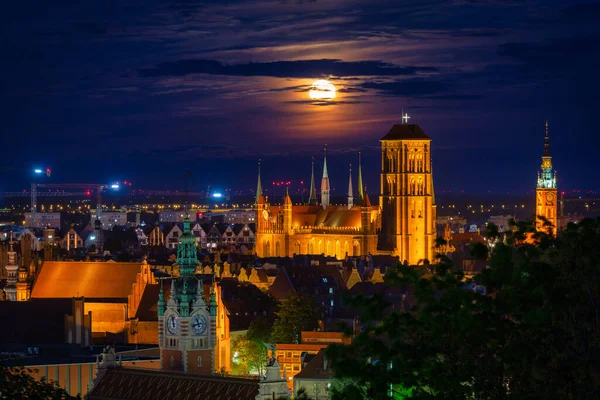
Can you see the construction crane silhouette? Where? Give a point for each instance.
(98, 187)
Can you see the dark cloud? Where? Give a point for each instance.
(285, 69)
(325, 103)
(351, 90)
(409, 87)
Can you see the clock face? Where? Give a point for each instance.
(172, 324)
(265, 214)
(549, 197)
(198, 324)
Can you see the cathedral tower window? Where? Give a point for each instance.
(199, 362)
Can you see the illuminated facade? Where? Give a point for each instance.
(407, 198)
(546, 204)
(333, 230)
(402, 224)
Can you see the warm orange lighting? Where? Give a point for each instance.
(322, 90)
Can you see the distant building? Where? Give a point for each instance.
(110, 219)
(501, 221)
(239, 216)
(42, 220)
(290, 356)
(315, 376)
(174, 216)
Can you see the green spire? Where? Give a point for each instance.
(187, 253)
(258, 185)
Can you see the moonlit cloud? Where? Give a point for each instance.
(226, 79)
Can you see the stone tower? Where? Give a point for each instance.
(11, 273)
(406, 200)
(186, 322)
(545, 192)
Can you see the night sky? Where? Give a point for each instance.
(113, 90)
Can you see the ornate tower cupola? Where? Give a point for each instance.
(546, 203)
(185, 324)
(11, 273)
(312, 197)
(325, 189)
(350, 194)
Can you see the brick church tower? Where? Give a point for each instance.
(545, 192)
(186, 322)
(407, 199)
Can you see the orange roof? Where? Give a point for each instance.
(301, 346)
(66, 279)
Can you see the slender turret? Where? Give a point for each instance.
(258, 186)
(312, 196)
(325, 188)
(360, 180)
(350, 194)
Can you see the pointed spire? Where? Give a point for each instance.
(350, 192)
(186, 220)
(325, 188)
(360, 180)
(547, 142)
(325, 175)
(258, 185)
(287, 200)
(312, 196)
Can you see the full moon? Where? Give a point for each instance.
(322, 90)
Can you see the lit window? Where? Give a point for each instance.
(330, 290)
(331, 302)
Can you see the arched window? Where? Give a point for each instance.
(277, 250)
(199, 362)
(172, 362)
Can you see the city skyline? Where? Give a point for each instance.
(141, 93)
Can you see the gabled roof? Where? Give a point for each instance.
(317, 368)
(136, 384)
(405, 131)
(313, 279)
(92, 280)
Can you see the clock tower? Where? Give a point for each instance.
(545, 193)
(187, 322)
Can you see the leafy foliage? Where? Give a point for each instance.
(297, 313)
(16, 383)
(249, 356)
(260, 330)
(535, 333)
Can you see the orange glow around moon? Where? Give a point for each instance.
(322, 90)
